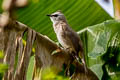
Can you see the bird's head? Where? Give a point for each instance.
(57, 16)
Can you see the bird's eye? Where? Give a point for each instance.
(55, 15)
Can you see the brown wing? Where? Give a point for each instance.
(76, 43)
(72, 37)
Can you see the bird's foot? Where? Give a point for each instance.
(56, 51)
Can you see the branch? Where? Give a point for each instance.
(12, 35)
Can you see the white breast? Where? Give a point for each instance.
(59, 33)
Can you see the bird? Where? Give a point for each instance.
(67, 37)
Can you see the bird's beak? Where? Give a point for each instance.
(49, 15)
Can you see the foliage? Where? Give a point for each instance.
(102, 45)
(50, 74)
(30, 68)
(79, 13)
(103, 48)
(74, 9)
(101, 41)
(1, 54)
(3, 67)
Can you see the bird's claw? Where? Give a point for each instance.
(56, 51)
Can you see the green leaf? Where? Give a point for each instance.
(30, 68)
(3, 68)
(100, 35)
(79, 13)
(97, 69)
(103, 48)
(1, 6)
(1, 54)
(52, 74)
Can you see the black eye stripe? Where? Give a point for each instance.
(56, 15)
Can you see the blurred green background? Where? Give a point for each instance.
(79, 13)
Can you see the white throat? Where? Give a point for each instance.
(53, 21)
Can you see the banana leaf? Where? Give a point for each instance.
(80, 14)
(102, 47)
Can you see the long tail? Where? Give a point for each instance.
(84, 63)
(82, 56)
